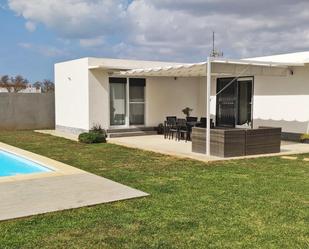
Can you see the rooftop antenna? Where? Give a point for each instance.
(214, 52)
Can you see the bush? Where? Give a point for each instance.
(98, 129)
(92, 137)
(304, 137)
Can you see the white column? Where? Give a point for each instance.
(208, 89)
(127, 121)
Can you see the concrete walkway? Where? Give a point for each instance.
(182, 149)
(37, 196)
(56, 133)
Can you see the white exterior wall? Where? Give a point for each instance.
(72, 95)
(98, 98)
(166, 96)
(283, 101)
(82, 97)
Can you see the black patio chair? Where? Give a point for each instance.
(183, 130)
(170, 126)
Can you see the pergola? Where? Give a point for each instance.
(215, 67)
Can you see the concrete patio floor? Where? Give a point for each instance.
(64, 188)
(182, 149)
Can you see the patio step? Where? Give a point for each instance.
(120, 130)
(131, 134)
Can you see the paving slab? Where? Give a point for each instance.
(37, 196)
(56, 133)
(64, 187)
(289, 157)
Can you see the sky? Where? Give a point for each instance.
(35, 34)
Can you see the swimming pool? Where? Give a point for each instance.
(11, 165)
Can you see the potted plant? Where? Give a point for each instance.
(304, 138)
(187, 111)
(160, 129)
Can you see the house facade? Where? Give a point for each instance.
(264, 91)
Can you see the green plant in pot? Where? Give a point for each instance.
(160, 129)
(187, 111)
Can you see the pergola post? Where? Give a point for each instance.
(208, 89)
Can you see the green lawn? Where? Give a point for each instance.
(254, 203)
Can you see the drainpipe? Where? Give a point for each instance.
(208, 88)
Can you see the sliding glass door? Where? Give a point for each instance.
(234, 102)
(118, 99)
(226, 102)
(244, 107)
(127, 101)
(137, 101)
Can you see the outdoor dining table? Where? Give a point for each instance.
(193, 123)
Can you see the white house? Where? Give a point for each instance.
(28, 89)
(263, 91)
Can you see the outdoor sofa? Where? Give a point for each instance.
(225, 142)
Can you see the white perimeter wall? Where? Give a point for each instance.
(283, 101)
(71, 94)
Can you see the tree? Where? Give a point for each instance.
(5, 83)
(45, 86)
(48, 86)
(19, 83)
(37, 85)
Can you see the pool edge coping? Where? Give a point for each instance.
(57, 168)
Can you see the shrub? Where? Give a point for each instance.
(87, 137)
(304, 137)
(98, 129)
(92, 137)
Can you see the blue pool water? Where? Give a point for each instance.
(11, 165)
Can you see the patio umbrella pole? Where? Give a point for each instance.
(208, 88)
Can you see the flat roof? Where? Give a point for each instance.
(298, 57)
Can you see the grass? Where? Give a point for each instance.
(256, 203)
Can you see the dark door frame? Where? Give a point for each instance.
(237, 98)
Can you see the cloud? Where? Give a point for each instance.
(45, 50)
(92, 42)
(25, 45)
(73, 18)
(174, 30)
(30, 26)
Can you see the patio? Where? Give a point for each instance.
(182, 149)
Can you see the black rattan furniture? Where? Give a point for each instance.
(203, 123)
(263, 140)
(237, 142)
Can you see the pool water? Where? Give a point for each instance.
(11, 165)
